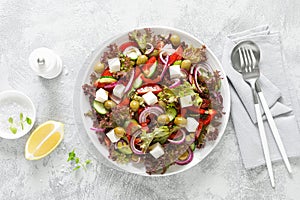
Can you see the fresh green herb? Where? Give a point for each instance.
(13, 130)
(14, 125)
(10, 120)
(21, 116)
(76, 160)
(28, 120)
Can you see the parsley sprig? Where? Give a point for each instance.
(76, 160)
(14, 125)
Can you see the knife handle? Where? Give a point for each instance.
(274, 131)
(264, 143)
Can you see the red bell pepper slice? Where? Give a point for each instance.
(148, 64)
(148, 80)
(198, 130)
(127, 44)
(177, 55)
(107, 73)
(149, 88)
(98, 85)
(210, 116)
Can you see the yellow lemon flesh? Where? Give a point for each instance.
(43, 140)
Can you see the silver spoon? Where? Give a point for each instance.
(235, 59)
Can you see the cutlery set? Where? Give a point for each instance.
(245, 58)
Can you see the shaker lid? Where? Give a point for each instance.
(42, 60)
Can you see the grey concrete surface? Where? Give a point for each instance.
(73, 29)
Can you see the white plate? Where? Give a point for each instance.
(12, 103)
(81, 105)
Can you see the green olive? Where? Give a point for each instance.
(109, 104)
(99, 67)
(186, 64)
(162, 103)
(163, 119)
(180, 121)
(142, 59)
(119, 131)
(175, 39)
(134, 105)
(154, 53)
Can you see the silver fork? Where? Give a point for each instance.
(251, 73)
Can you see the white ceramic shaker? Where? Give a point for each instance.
(45, 63)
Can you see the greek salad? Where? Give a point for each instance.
(154, 100)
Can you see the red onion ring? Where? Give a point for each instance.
(129, 84)
(148, 51)
(188, 160)
(196, 80)
(205, 66)
(97, 129)
(186, 74)
(131, 143)
(110, 86)
(182, 139)
(164, 71)
(197, 72)
(164, 60)
(176, 83)
(192, 69)
(150, 110)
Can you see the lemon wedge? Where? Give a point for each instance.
(43, 140)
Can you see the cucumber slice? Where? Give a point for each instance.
(125, 149)
(138, 82)
(152, 70)
(177, 62)
(193, 146)
(132, 52)
(107, 79)
(172, 113)
(99, 107)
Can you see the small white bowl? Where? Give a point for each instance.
(12, 103)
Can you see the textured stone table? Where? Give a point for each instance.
(73, 29)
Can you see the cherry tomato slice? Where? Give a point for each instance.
(127, 44)
(149, 88)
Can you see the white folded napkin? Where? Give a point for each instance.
(274, 85)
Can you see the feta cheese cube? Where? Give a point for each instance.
(186, 101)
(150, 98)
(191, 124)
(157, 150)
(114, 64)
(112, 136)
(175, 71)
(101, 95)
(118, 91)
